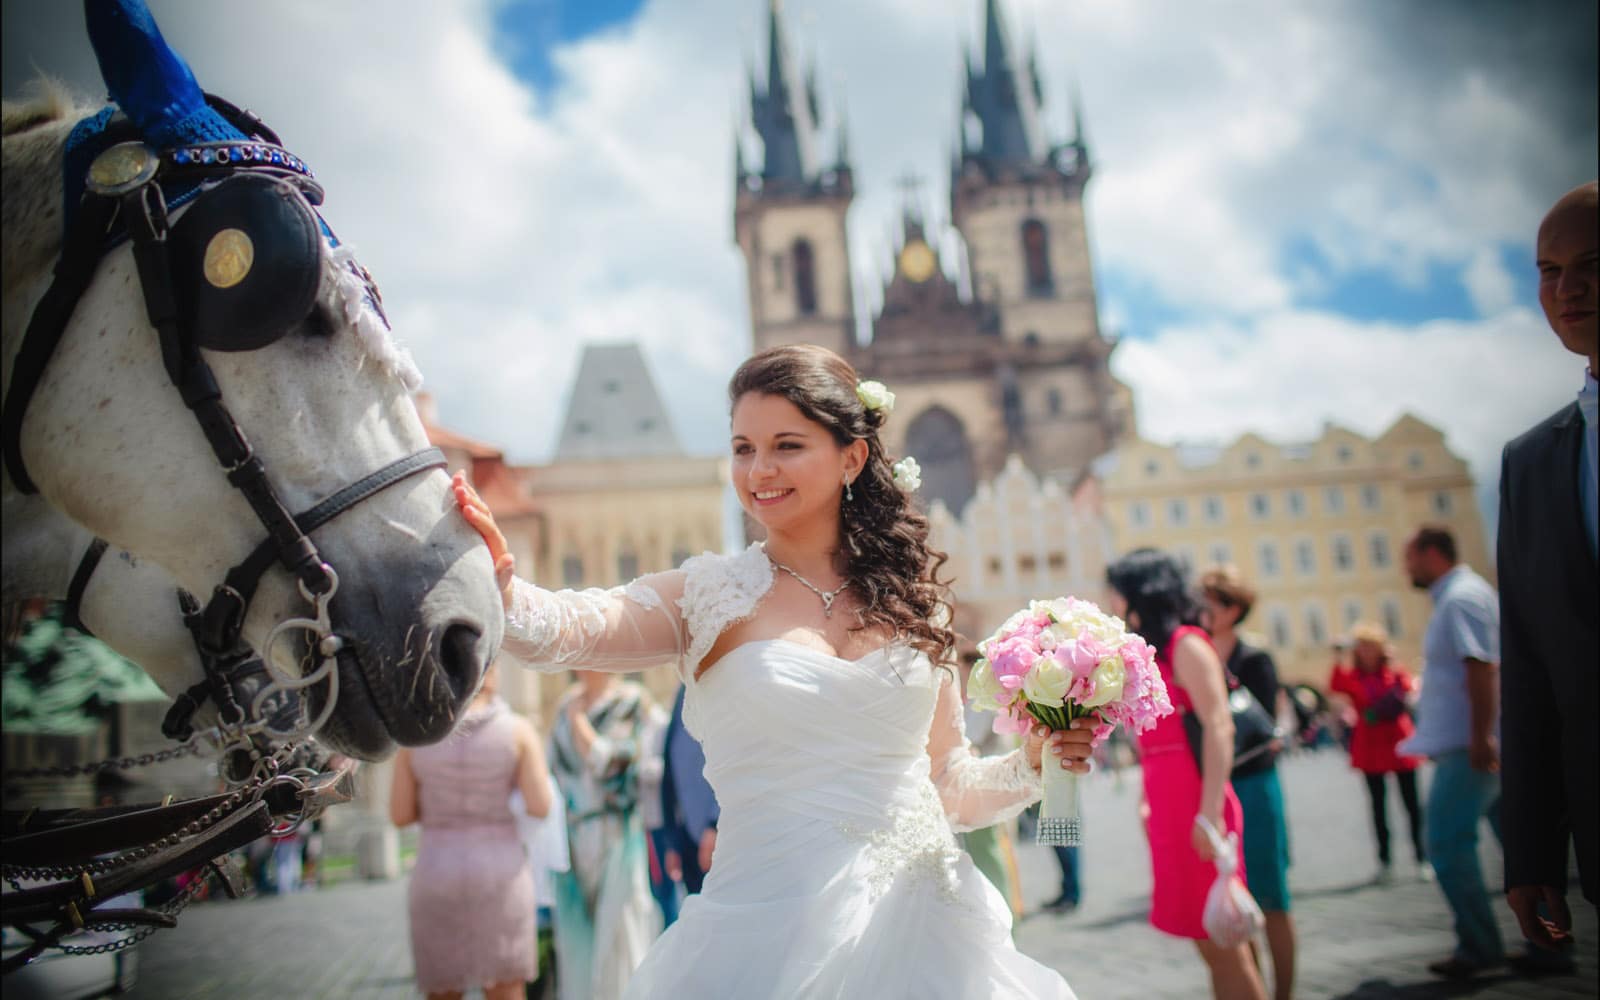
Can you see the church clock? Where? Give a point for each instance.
(917, 261)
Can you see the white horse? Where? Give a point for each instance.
(108, 441)
(128, 603)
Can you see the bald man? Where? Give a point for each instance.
(1550, 646)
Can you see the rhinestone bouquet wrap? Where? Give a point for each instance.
(1056, 661)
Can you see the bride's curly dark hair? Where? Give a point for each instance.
(883, 551)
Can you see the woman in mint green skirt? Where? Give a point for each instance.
(1226, 600)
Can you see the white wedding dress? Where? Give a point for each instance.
(836, 873)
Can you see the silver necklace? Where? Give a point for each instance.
(826, 595)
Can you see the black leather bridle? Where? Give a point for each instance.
(127, 198)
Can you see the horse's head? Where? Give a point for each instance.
(310, 376)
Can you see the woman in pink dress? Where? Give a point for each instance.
(471, 895)
(1148, 591)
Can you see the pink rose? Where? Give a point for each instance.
(1081, 655)
(1007, 724)
(1012, 657)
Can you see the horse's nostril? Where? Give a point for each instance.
(458, 656)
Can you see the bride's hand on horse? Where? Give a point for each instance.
(1069, 748)
(477, 514)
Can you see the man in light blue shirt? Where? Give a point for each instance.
(1457, 727)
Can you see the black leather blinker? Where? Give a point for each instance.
(246, 263)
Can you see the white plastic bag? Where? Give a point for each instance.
(1232, 915)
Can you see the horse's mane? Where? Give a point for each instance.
(49, 100)
(34, 130)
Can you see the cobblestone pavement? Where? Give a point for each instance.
(1357, 940)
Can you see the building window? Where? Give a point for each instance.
(1260, 506)
(1139, 514)
(1378, 546)
(1371, 497)
(1316, 625)
(1253, 460)
(1344, 453)
(1305, 557)
(1333, 500)
(1352, 612)
(1415, 461)
(1036, 251)
(1177, 512)
(627, 567)
(1344, 554)
(1267, 555)
(1152, 468)
(1052, 402)
(1295, 502)
(994, 564)
(805, 278)
(1281, 635)
(1442, 504)
(1057, 561)
(572, 571)
(1213, 509)
(1185, 555)
(1391, 617)
(778, 270)
(1221, 554)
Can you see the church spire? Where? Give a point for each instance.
(1005, 98)
(785, 115)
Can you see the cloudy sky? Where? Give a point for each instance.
(1302, 211)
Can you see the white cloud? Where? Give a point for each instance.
(507, 228)
(1490, 286)
(1284, 374)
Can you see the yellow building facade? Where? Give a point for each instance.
(1317, 527)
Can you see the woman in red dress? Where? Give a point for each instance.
(1148, 591)
(1381, 692)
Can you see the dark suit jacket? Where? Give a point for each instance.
(1550, 654)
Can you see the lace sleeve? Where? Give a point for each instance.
(623, 629)
(976, 791)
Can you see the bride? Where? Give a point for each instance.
(817, 681)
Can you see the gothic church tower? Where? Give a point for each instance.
(1018, 366)
(789, 214)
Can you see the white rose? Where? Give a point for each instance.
(1108, 679)
(983, 691)
(1046, 682)
(1055, 635)
(875, 396)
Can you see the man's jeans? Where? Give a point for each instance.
(1457, 801)
(1067, 857)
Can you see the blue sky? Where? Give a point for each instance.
(530, 32)
(1302, 212)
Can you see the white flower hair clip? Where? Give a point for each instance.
(875, 396)
(908, 474)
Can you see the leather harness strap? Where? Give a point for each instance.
(139, 213)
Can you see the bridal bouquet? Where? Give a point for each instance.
(1061, 660)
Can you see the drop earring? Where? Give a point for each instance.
(848, 495)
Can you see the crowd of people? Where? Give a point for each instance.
(1486, 715)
